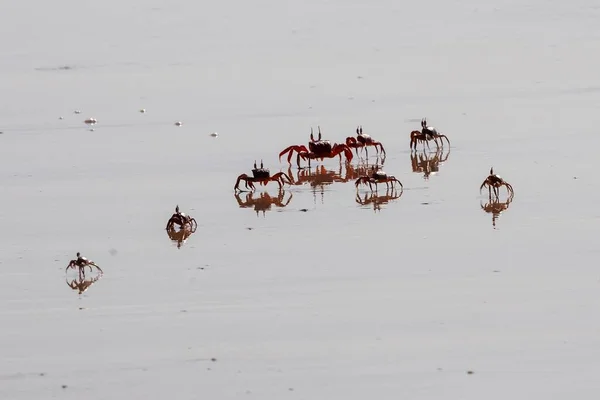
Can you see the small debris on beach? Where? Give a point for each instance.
(143, 110)
(178, 123)
(470, 372)
(91, 121)
(60, 118)
(214, 134)
(76, 112)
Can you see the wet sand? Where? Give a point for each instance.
(323, 298)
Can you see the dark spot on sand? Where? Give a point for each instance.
(42, 374)
(249, 228)
(59, 68)
(183, 311)
(213, 359)
(64, 386)
(470, 372)
(424, 204)
(304, 209)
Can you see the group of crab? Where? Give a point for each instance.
(319, 149)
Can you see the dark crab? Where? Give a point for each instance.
(378, 176)
(362, 140)
(262, 176)
(81, 263)
(426, 134)
(317, 150)
(495, 182)
(184, 221)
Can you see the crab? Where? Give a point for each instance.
(184, 221)
(432, 133)
(362, 140)
(81, 263)
(317, 150)
(495, 207)
(81, 284)
(378, 176)
(495, 182)
(426, 134)
(262, 176)
(264, 201)
(376, 200)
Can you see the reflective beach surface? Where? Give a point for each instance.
(319, 290)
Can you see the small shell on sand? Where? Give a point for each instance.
(77, 112)
(143, 110)
(178, 123)
(214, 134)
(90, 121)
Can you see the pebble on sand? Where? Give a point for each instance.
(178, 123)
(77, 112)
(91, 121)
(143, 110)
(214, 134)
(60, 118)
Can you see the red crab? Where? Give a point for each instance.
(362, 140)
(317, 150)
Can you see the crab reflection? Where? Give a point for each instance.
(82, 284)
(495, 207)
(428, 163)
(318, 178)
(353, 172)
(181, 235)
(377, 200)
(263, 201)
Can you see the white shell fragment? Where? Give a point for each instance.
(214, 134)
(178, 123)
(90, 121)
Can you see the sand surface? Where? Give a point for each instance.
(324, 298)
